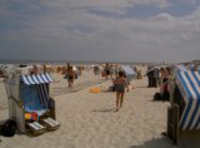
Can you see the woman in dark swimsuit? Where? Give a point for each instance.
(120, 83)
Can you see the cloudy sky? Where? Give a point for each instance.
(119, 30)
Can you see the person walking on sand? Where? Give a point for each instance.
(120, 83)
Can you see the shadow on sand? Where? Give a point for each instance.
(104, 110)
(142, 87)
(162, 142)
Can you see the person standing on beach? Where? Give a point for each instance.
(34, 70)
(107, 71)
(120, 83)
(70, 76)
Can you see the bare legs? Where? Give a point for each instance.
(70, 83)
(119, 100)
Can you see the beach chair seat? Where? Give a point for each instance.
(50, 123)
(36, 128)
(40, 112)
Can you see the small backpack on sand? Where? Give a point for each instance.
(8, 129)
(157, 97)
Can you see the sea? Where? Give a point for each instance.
(63, 62)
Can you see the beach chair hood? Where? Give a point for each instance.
(34, 92)
(36, 79)
(188, 82)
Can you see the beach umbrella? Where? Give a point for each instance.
(128, 70)
(130, 73)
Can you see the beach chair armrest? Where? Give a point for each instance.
(19, 103)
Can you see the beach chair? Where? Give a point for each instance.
(183, 124)
(29, 95)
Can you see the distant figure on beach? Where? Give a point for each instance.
(156, 77)
(80, 70)
(34, 70)
(120, 84)
(44, 68)
(107, 70)
(70, 75)
(150, 77)
(96, 70)
(162, 75)
(166, 77)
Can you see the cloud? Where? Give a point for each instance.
(68, 30)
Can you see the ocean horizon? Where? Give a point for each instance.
(72, 62)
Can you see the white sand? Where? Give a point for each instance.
(3, 96)
(88, 121)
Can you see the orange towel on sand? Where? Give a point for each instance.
(95, 90)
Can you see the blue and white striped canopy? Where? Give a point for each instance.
(188, 82)
(36, 79)
(181, 67)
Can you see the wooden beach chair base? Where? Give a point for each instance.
(50, 123)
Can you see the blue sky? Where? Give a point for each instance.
(120, 30)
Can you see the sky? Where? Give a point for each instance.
(100, 30)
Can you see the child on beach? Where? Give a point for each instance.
(120, 83)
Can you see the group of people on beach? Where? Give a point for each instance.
(159, 77)
(156, 76)
(117, 76)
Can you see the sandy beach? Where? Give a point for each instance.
(89, 121)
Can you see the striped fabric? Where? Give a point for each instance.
(181, 67)
(43, 94)
(36, 79)
(189, 84)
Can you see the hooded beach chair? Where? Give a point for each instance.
(184, 112)
(29, 95)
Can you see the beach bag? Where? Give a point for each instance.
(112, 88)
(9, 128)
(157, 97)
